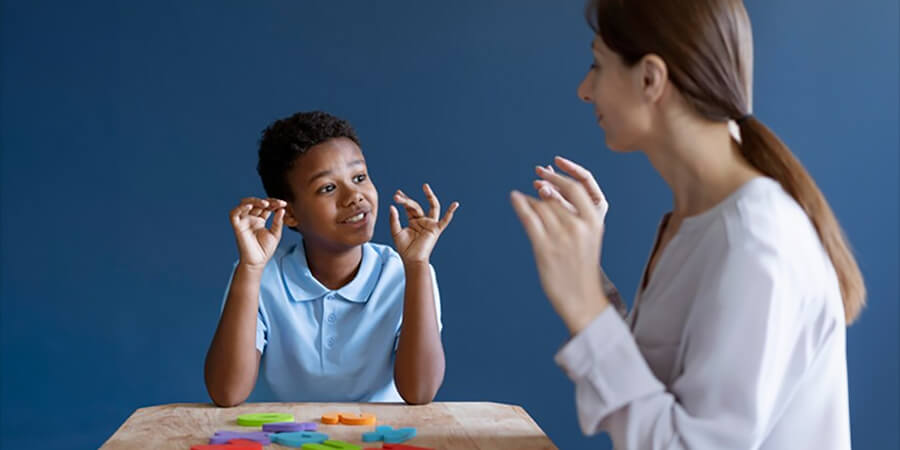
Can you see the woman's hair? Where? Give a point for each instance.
(708, 48)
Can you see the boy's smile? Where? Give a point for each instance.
(335, 203)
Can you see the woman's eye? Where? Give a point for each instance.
(327, 188)
(359, 178)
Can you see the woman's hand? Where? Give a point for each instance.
(546, 190)
(566, 234)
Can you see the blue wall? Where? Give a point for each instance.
(128, 130)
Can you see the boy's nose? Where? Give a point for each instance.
(353, 197)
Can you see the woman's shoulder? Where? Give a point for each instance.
(766, 228)
(770, 253)
(765, 216)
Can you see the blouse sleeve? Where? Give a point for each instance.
(742, 361)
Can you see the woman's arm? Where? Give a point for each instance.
(740, 366)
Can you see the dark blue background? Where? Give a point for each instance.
(129, 130)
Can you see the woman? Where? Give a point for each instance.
(737, 336)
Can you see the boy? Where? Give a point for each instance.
(334, 317)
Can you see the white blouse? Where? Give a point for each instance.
(737, 342)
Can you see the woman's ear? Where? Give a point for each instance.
(654, 77)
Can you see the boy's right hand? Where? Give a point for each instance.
(255, 242)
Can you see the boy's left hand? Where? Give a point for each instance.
(416, 241)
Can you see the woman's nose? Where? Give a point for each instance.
(583, 90)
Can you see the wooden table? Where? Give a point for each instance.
(443, 425)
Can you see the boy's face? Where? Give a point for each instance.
(335, 203)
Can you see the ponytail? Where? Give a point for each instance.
(765, 151)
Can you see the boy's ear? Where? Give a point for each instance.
(289, 219)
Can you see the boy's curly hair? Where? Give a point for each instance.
(286, 139)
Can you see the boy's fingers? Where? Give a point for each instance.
(395, 221)
(448, 216)
(412, 208)
(256, 202)
(420, 228)
(408, 202)
(239, 211)
(253, 206)
(267, 203)
(278, 223)
(274, 204)
(435, 212)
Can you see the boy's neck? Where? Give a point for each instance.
(334, 269)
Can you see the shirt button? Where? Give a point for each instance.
(331, 342)
(332, 318)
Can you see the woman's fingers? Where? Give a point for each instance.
(547, 192)
(572, 191)
(584, 176)
(534, 228)
(548, 214)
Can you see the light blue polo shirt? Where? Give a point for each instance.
(320, 345)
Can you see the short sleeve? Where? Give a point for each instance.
(437, 298)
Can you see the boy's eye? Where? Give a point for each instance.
(594, 66)
(327, 188)
(359, 178)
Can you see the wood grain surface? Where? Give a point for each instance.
(442, 425)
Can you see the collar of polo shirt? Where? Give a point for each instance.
(303, 286)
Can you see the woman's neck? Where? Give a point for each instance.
(334, 269)
(701, 162)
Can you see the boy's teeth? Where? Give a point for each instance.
(355, 218)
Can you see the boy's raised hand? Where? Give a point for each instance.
(255, 242)
(417, 240)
